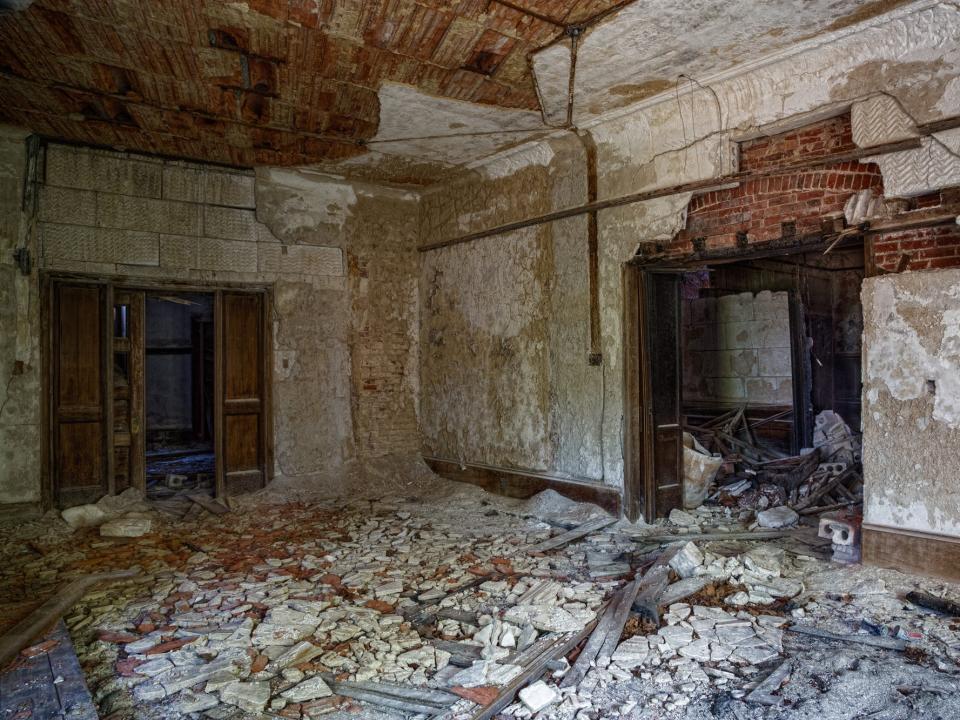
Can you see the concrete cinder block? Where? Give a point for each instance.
(229, 223)
(772, 306)
(773, 333)
(134, 213)
(68, 206)
(178, 251)
(99, 245)
(300, 259)
(183, 181)
(725, 389)
(735, 308)
(735, 363)
(775, 362)
(769, 391)
(226, 255)
(104, 171)
(233, 188)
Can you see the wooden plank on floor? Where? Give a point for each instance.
(27, 689)
(578, 532)
(208, 503)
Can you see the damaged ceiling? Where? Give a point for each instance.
(335, 83)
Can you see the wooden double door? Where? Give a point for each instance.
(96, 376)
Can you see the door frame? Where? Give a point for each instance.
(49, 280)
(635, 498)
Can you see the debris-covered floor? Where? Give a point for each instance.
(443, 604)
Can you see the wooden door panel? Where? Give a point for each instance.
(79, 346)
(79, 411)
(243, 436)
(241, 315)
(80, 455)
(127, 390)
(241, 464)
(662, 435)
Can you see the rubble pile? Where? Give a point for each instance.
(470, 606)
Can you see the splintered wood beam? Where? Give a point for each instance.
(46, 616)
(695, 186)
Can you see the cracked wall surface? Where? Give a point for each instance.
(911, 391)
(19, 351)
(687, 136)
(338, 257)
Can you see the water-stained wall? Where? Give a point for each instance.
(504, 376)
(911, 392)
(338, 257)
(505, 320)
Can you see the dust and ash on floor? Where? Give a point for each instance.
(440, 599)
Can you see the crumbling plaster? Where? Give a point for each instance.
(663, 142)
(20, 349)
(911, 385)
(338, 257)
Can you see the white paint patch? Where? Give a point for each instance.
(903, 363)
(312, 201)
(507, 163)
(450, 132)
(646, 46)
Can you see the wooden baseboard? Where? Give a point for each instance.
(911, 551)
(518, 484)
(20, 512)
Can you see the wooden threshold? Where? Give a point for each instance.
(911, 551)
(523, 485)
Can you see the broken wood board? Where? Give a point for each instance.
(880, 642)
(763, 692)
(45, 616)
(708, 537)
(931, 602)
(578, 532)
(557, 648)
(210, 504)
(608, 620)
(397, 697)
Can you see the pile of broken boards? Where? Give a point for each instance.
(826, 477)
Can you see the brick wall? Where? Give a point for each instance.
(760, 207)
(923, 248)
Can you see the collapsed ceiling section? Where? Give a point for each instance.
(649, 47)
(364, 88)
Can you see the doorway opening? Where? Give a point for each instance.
(161, 388)
(755, 354)
(179, 394)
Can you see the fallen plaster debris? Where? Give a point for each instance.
(410, 606)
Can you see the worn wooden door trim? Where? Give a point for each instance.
(650, 428)
(218, 371)
(633, 490)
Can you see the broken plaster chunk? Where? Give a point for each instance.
(631, 652)
(130, 525)
(687, 560)
(682, 518)
(676, 635)
(251, 697)
(538, 696)
(778, 517)
(310, 689)
(548, 618)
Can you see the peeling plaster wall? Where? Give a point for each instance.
(911, 385)
(466, 413)
(339, 257)
(505, 321)
(19, 349)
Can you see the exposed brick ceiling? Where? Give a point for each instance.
(261, 82)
